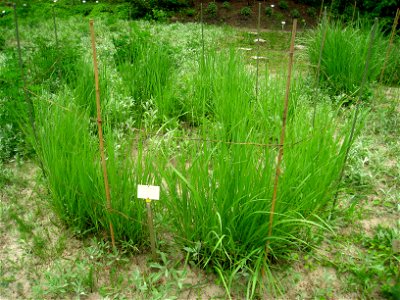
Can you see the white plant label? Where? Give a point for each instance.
(151, 192)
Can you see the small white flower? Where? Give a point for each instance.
(24, 4)
(283, 22)
(3, 12)
(272, 5)
(97, 1)
(54, 1)
(83, 1)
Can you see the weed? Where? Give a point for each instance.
(283, 4)
(190, 12)
(212, 9)
(295, 13)
(312, 12)
(246, 12)
(226, 5)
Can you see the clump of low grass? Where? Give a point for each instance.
(344, 56)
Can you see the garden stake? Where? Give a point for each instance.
(353, 126)
(99, 126)
(320, 10)
(354, 10)
(324, 20)
(258, 46)
(282, 141)
(151, 228)
(396, 20)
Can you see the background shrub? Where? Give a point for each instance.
(226, 5)
(283, 4)
(246, 11)
(312, 12)
(268, 11)
(295, 14)
(212, 9)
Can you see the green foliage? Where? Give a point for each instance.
(54, 65)
(344, 55)
(268, 11)
(219, 195)
(13, 108)
(2, 43)
(146, 69)
(283, 4)
(246, 12)
(159, 15)
(64, 281)
(382, 270)
(212, 9)
(391, 75)
(385, 10)
(312, 12)
(295, 13)
(279, 16)
(190, 12)
(226, 5)
(6, 175)
(71, 161)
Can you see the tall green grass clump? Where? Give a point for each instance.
(54, 65)
(84, 89)
(70, 156)
(219, 193)
(207, 81)
(13, 108)
(344, 55)
(391, 75)
(147, 71)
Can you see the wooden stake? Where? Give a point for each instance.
(151, 229)
(281, 144)
(395, 22)
(354, 11)
(99, 126)
(320, 10)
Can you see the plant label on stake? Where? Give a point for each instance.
(149, 192)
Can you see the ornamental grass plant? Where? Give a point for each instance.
(70, 156)
(344, 55)
(219, 189)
